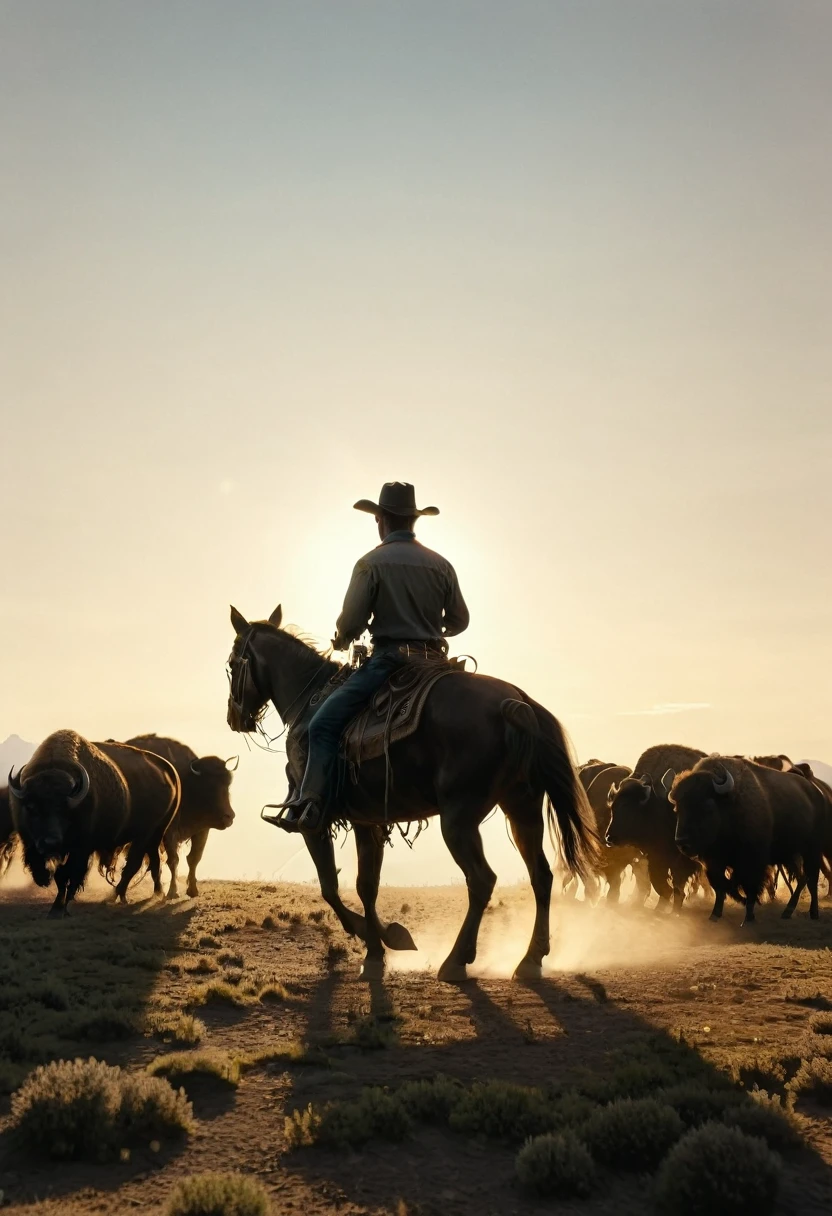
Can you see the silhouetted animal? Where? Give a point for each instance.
(204, 805)
(68, 802)
(155, 790)
(8, 839)
(641, 816)
(781, 762)
(589, 771)
(481, 742)
(613, 861)
(744, 817)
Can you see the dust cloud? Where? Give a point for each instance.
(584, 938)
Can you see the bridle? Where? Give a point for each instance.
(238, 681)
(239, 674)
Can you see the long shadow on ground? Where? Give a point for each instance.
(76, 987)
(557, 1031)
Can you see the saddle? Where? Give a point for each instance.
(396, 709)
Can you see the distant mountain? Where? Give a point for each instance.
(13, 752)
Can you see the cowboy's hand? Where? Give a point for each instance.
(340, 643)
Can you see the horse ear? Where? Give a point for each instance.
(238, 621)
(276, 617)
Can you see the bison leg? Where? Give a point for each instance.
(198, 843)
(135, 857)
(799, 888)
(155, 867)
(172, 855)
(720, 889)
(526, 824)
(69, 878)
(642, 876)
(658, 880)
(460, 828)
(614, 879)
(811, 869)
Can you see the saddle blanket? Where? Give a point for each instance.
(395, 711)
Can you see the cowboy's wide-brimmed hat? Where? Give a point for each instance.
(396, 498)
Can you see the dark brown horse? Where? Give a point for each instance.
(480, 743)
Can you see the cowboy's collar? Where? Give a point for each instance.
(399, 534)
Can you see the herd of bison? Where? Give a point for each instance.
(679, 818)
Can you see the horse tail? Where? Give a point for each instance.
(539, 754)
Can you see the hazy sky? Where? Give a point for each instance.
(565, 266)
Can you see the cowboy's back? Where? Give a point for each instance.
(411, 593)
(404, 594)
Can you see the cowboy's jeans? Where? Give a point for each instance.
(335, 714)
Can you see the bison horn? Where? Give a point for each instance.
(232, 763)
(647, 786)
(667, 780)
(725, 785)
(195, 768)
(612, 794)
(16, 784)
(80, 789)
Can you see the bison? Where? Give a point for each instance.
(738, 816)
(75, 798)
(8, 839)
(613, 861)
(641, 817)
(205, 802)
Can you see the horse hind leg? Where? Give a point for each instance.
(461, 832)
(526, 822)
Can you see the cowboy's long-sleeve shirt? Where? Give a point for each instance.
(411, 593)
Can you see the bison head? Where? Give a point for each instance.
(700, 798)
(632, 806)
(208, 783)
(45, 801)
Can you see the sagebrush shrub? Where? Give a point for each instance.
(85, 1108)
(181, 1066)
(814, 1079)
(633, 1134)
(375, 1115)
(768, 1118)
(502, 1111)
(183, 1028)
(821, 1023)
(696, 1103)
(218, 1195)
(556, 1166)
(716, 1170)
(431, 1101)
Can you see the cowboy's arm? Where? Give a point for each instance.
(358, 607)
(455, 619)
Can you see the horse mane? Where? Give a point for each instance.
(303, 644)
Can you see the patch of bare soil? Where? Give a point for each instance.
(274, 982)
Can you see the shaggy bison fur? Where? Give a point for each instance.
(641, 817)
(741, 817)
(205, 803)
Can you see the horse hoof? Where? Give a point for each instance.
(814, 914)
(527, 970)
(452, 973)
(714, 917)
(787, 914)
(372, 969)
(396, 937)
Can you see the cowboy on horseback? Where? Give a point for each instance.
(409, 598)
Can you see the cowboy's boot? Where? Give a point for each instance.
(306, 810)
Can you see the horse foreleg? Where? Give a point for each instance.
(322, 851)
(460, 829)
(526, 822)
(369, 845)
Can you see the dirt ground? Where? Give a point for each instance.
(616, 978)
